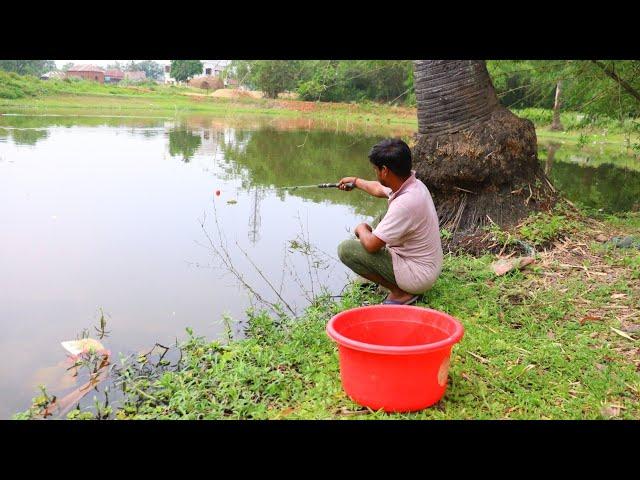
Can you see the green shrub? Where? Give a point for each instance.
(541, 228)
(311, 90)
(539, 116)
(10, 93)
(14, 86)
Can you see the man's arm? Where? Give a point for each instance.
(372, 187)
(369, 241)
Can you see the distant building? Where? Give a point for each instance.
(113, 76)
(168, 79)
(214, 67)
(53, 74)
(87, 72)
(210, 68)
(135, 76)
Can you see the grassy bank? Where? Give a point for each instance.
(382, 116)
(558, 340)
(29, 95)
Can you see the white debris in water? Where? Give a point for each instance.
(76, 347)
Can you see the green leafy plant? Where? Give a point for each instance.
(445, 234)
(582, 140)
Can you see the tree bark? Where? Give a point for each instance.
(478, 159)
(556, 124)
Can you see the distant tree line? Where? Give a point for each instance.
(38, 67)
(328, 80)
(592, 86)
(28, 67)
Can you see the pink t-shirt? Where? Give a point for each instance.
(411, 231)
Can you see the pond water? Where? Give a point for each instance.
(599, 176)
(118, 213)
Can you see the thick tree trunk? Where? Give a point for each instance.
(556, 125)
(477, 158)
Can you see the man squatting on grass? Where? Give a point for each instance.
(401, 250)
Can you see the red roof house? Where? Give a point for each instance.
(87, 72)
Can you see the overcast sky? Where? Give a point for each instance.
(101, 63)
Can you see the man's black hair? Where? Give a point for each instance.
(393, 153)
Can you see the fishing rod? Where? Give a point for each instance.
(349, 185)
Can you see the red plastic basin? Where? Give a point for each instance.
(394, 357)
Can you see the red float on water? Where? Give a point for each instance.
(217, 193)
(394, 357)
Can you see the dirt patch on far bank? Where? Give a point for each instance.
(234, 93)
(289, 101)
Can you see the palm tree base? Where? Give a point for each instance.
(487, 173)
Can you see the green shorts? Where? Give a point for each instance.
(354, 256)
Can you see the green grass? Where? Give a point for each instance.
(628, 220)
(525, 353)
(582, 129)
(542, 227)
(179, 105)
(539, 229)
(587, 138)
(577, 121)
